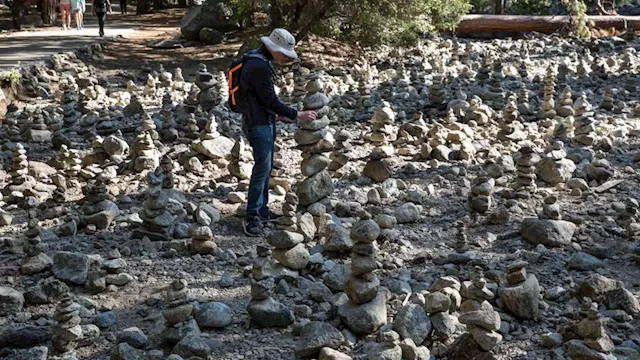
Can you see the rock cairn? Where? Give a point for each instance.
(482, 323)
(264, 310)
(607, 99)
(38, 131)
(192, 131)
(524, 107)
(177, 312)
(149, 126)
(165, 77)
(168, 128)
(150, 87)
(565, 104)
(20, 178)
(480, 199)
(145, 154)
(69, 112)
(288, 220)
(525, 160)
(555, 168)
(157, 221)
(36, 260)
(315, 140)
(437, 92)
(134, 108)
(584, 125)
(202, 241)
(378, 168)
(206, 82)
(365, 311)
(178, 80)
(511, 129)
(495, 93)
(70, 161)
(240, 165)
(521, 294)
(547, 108)
(587, 337)
(68, 332)
(289, 249)
(98, 208)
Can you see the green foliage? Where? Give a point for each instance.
(368, 22)
(530, 7)
(580, 24)
(11, 78)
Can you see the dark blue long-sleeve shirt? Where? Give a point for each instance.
(256, 84)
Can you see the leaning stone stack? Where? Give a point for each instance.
(555, 168)
(482, 323)
(69, 112)
(36, 260)
(240, 165)
(378, 168)
(98, 208)
(480, 199)
(68, 332)
(288, 220)
(521, 294)
(157, 221)
(177, 312)
(525, 160)
(585, 128)
(547, 108)
(365, 311)
(315, 140)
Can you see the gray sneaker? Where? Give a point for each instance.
(252, 227)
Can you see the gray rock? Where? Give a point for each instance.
(295, 258)
(338, 238)
(206, 214)
(584, 262)
(121, 279)
(320, 292)
(331, 354)
(35, 264)
(11, 301)
(134, 337)
(214, 315)
(269, 313)
(24, 336)
(407, 213)
(551, 233)
(71, 267)
(412, 322)
(483, 318)
(124, 351)
(192, 345)
(315, 336)
(412, 352)
(102, 219)
(34, 353)
(282, 239)
(522, 299)
(314, 188)
(365, 231)
(555, 172)
(399, 287)
(378, 170)
(595, 285)
(485, 338)
(217, 148)
(212, 13)
(551, 340)
(579, 351)
(444, 324)
(336, 279)
(365, 318)
(211, 36)
(622, 299)
(437, 302)
(105, 319)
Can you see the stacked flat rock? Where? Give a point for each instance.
(150, 87)
(192, 131)
(482, 323)
(480, 199)
(585, 127)
(206, 82)
(524, 107)
(485, 70)
(628, 217)
(134, 108)
(521, 294)
(36, 260)
(98, 208)
(177, 312)
(565, 103)
(525, 160)
(263, 310)
(191, 101)
(455, 53)
(299, 86)
(476, 288)
(478, 112)
(551, 209)
(522, 71)
(69, 112)
(462, 242)
(607, 100)
(378, 168)
(365, 311)
(315, 139)
(555, 168)
(165, 77)
(289, 249)
(157, 221)
(240, 165)
(288, 220)
(511, 129)
(68, 332)
(145, 154)
(178, 80)
(20, 178)
(437, 92)
(147, 125)
(587, 337)
(547, 108)
(165, 172)
(38, 131)
(70, 161)
(495, 94)
(202, 241)
(168, 131)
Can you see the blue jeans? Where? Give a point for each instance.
(262, 139)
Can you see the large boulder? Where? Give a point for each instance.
(214, 149)
(315, 188)
(71, 267)
(412, 322)
(214, 14)
(522, 299)
(11, 301)
(211, 36)
(553, 233)
(555, 171)
(315, 336)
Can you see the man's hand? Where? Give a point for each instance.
(308, 115)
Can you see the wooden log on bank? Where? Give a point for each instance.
(544, 24)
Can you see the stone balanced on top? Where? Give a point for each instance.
(378, 168)
(157, 221)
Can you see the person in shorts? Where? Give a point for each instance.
(78, 7)
(65, 13)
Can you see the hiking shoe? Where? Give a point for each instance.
(269, 216)
(252, 227)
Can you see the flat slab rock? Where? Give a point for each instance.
(552, 233)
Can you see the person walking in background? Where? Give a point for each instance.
(78, 7)
(100, 8)
(123, 6)
(65, 13)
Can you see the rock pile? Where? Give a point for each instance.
(365, 311)
(315, 139)
(584, 124)
(525, 160)
(157, 221)
(98, 208)
(202, 241)
(145, 155)
(289, 249)
(36, 260)
(177, 313)
(565, 103)
(240, 165)
(289, 220)
(520, 295)
(548, 106)
(68, 332)
(379, 167)
(511, 129)
(555, 168)
(587, 337)
(69, 112)
(480, 199)
(482, 322)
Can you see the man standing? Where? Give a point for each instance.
(262, 106)
(100, 8)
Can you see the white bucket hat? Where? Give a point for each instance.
(281, 41)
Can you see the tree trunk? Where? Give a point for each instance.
(544, 24)
(142, 7)
(48, 12)
(182, 3)
(498, 7)
(158, 5)
(275, 12)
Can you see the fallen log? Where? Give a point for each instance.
(543, 24)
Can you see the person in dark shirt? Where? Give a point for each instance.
(100, 8)
(259, 118)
